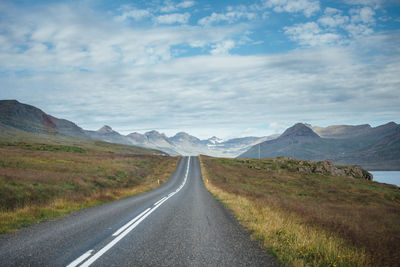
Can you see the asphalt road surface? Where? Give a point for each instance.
(177, 224)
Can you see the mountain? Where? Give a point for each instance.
(341, 131)
(236, 146)
(152, 139)
(15, 115)
(31, 119)
(107, 130)
(186, 144)
(374, 148)
(299, 132)
(107, 134)
(214, 141)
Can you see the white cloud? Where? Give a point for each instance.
(66, 39)
(186, 4)
(307, 7)
(333, 28)
(333, 18)
(170, 6)
(223, 48)
(358, 30)
(133, 13)
(363, 15)
(173, 18)
(373, 3)
(130, 12)
(310, 34)
(232, 15)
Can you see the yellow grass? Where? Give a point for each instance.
(10, 221)
(36, 185)
(284, 234)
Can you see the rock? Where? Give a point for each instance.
(304, 170)
(367, 175)
(338, 172)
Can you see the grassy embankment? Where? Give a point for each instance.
(309, 219)
(43, 177)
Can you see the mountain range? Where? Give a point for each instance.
(16, 115)
(374, 148)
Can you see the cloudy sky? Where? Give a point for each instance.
(225, 68)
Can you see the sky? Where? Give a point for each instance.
(224, 68)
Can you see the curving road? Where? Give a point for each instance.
(177, 224)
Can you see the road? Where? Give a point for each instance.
(177, 224)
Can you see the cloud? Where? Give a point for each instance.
(333, 28)
(133, 13)
(170, 6)
(333, 18)
(173, 18)
(310, 34)
(223, 47)
(362, 15)
(307, 7)
(232, 15)
(373, 3)
(64, 38)
(186, 4)
(358, 30)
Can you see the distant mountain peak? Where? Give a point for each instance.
(135, 134)
(156, 135)
(299, 130)
(392, 123)
(105, 129)
(152, 132)
(182, 134)
(215, 140)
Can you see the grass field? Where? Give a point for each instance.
(309, 219)
(44, 176)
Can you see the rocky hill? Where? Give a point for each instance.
(31, 119)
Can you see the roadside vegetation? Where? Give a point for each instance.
(309, 219)
(43, 177)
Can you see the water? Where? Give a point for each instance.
(387, 177)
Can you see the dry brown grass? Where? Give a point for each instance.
(311, 220)
(44, 182)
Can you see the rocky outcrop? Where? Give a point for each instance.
(328, 168)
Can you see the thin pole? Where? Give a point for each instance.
(292, 149)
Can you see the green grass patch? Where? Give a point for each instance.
(43, 147)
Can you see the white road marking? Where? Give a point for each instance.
(120, 230)
(124, 230)
(80, 259)
(155, 204)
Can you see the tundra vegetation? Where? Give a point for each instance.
(310, 213)
(46, 176)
